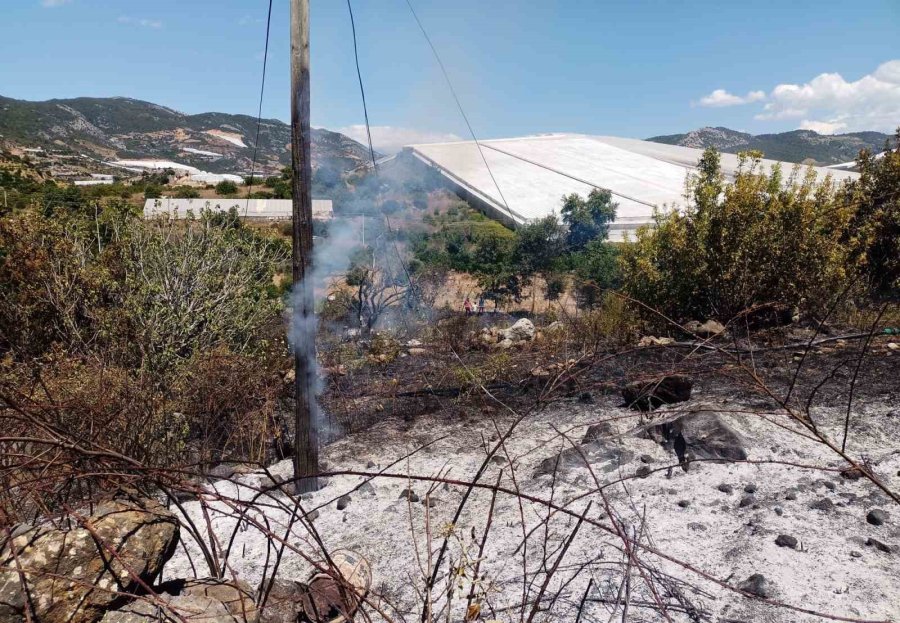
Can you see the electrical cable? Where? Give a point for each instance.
(458, 103)
(262, 90)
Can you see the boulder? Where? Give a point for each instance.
(757, 585)
(648, 395)
(284, 602)
(710, 328)
(601, 455)
(74, 577)
(598, 431)
(521, 331)
(199, 601)
(701, 434)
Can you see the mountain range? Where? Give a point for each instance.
(122, 128)
(803, 146)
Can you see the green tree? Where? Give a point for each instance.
(225, 188)
(588, 219)
(762, 239)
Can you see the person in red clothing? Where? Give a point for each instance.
(467, 305)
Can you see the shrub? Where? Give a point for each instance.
(225, 188)
(759, 240)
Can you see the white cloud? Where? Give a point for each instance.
(144, 22)
(54, 3)
(389, 139)
(721, 98)
(822, 127)
(829, 103)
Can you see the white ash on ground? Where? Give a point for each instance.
(787, 514)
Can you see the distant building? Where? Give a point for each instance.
(528, 176)
(92, 182)
(271, 209)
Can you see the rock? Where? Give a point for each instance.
(504, 344)
(370, 464)
(521, 331)
(414, 343)
(855, 554)
(779, 511)
(684, 503)
(696, 526)
(585, 398)
(750, 488)
(756, 585)
(201, 601)
(499, 460)
(366, 488)
(284, 602)
(786, 540)
(648, 395)
(141, 532)
(598, 431)
(852, 473)
(650, 340)
(643, 471)
(646, 458)
(747, 500)
(343, 502)
(312, 515)
(600, 454)
(725, 488)
(698, 435)
(877, 517)
(825, 505)
(418, 352)
(328, 600)
(790, 495)
(710, 328)
(409, 494)
(882, 547)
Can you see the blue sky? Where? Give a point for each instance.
(630, 68)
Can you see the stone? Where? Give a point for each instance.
(877, 517)
(409, 494)
(710, 328)
(643, 471)
(646, 458)
(696, 526)
(882, 547)
(343, 502)
(330, 600)
(586, 398)
(648, 395)
(597, 431)
(779, 511)
(283, 603)
(208, 600)
(725, 488)
(747, 500)
(750, 488)
(366, 488)
(851, 473)
(855, 554)
(700, 434)
(312, 515)
(786, 540)
(825, 505)
(499, 460)
(756, 585)
(522, 331)
(370, 464)
(684, 503)
(790, 495)
(75, 579)
(599, 454)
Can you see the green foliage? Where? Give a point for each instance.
(588, 219)
(759, 240)
(226, 188)
(152, 192)
(596, 270)
(875, 228)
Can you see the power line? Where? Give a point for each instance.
(262, 90)
(362, 89)
(458, 103)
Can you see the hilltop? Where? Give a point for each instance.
(124, 128)
(795, 146)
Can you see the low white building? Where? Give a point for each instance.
(271, 209)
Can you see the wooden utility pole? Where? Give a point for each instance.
(306, 438)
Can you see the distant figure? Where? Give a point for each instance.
(480, 305)
(468, 306)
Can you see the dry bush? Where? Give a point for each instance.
(614, 323)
